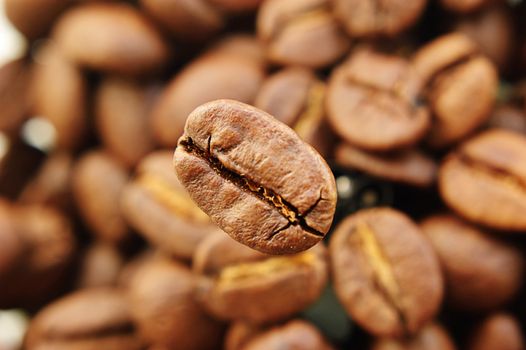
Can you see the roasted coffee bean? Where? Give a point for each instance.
(238, 283)
(11, 244)
(454, 72)
(161, 301)
(467, 6)
(59, 93)
(508, 117)
(486, 277)
(97, 183)
(122, 116)
(112, 37)
(498, 331)
(483, 180)
(431, 337)
(34, 17)
(189, 20)
(385, 272)
(300, 32)
(212, 76)
(370, 19)
(85, 320)
(372, 102)
(240, 45)
(157, 205)
(255, 178)
(409, 166)
(101, 266)
(296, 97)
(15, 79)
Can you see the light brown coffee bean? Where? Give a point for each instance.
(385, 272)
(297, 98)
(112, 37)
(15, 79)
(157, 205)
(97, 183)
(454, 72)
(431, 337)
(300, 32)
(240, 45)
(498, 331)
(85, 320)
(255, 178)
(483, 180)
(410, 166)
(122, 109)
(100, 267)
(371, 19)
(212, 76)
(486, 277)
(238, 283)
(161, 301)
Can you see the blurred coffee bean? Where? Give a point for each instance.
(431, 337)
(238, 283)
(90, 319)
(122, 109)
(385, 272)
(97, 183)
(454, 72)
(480, 271)
(100, 267)
(111, 37)
(15, 77)
(498, 331)
(11, 244)
(161, 301)
(300, 32)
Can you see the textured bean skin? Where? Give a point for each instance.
(259, 154)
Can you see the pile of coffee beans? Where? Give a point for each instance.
(264, 175)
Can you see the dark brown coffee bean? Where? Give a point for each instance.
(454, 72)
(372, 101)
(11, 244)
(467, 6)
(297, 98)
(189, 20)
(157, 205)
(112, 37)
(301, 32)
(122, 110)
(499, 331)
(60, 92)
(431, 337)
(101, 265)
(409, 166)
(238, 283)
(210, 77)
(295, 334)
(486, 277)
(34, 17)
(161, 301)
(15, 78)
(97, 183)
(370, 18)
(385, 272)
(483, 180)
(86, 320)
(508, 117)
(255, 178)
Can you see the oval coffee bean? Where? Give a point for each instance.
(498, 331)
(372, 102)
(491, 265)
(385, 272)
(255, 178)
(484, 180)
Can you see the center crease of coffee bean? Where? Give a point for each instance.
(286, 209)
(383, 273)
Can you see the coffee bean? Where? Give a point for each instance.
(101, 265)
(407, 166)
(255, 178)
(11, 244)
(15, 78)
(498, 331)
(238, 283)
(483, 180)
(112, 37)
(385, 273)
(431, 337)
(372, 102)
(158, 207)
(300, 32)
(454, 72)
(486, 278)
(369, 18)
(33, 18)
